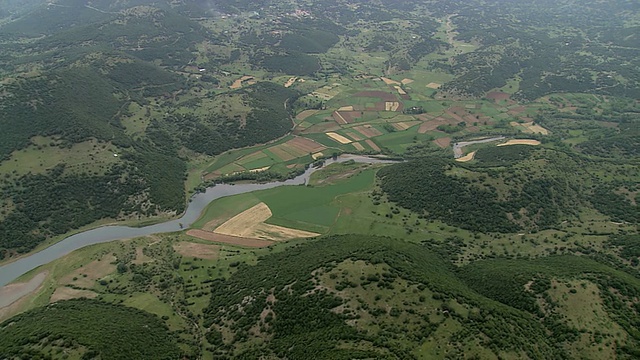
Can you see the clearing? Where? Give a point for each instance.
(467, 157)
(87, 275)
(196, 250)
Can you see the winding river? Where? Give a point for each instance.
(198, 203)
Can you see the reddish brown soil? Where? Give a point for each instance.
(305, 145)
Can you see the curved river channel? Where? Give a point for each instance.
(198, 203)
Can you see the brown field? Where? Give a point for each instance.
(517, 110)
(306, 145)
(226, 239)
(433, 85)
(339, 118)
(389, 81)
(250, 224)
(521, 142)
(238, 83)
(281, 153)
(339, 138)
(321, 127)
(353, 135)
(358, 146)
(456, 117)
(66, 293)
(497, 96)
(391, 106)
(433, 124)
(305, 114)
(367, 130)
(196, 250)
(87, 275)
(467, 157)
(350, 116)
(372, 145)
(406, 81)
(443, 142)
(377, 94)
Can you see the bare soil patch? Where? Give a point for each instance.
(87, 275)
(238, 83)
(467, 157)
(227, 239)
(520, 142)
(443, 142)
(196, 250)
(433, 85)
(317, 155)
(66, 293)
(406, 81)
(290, 82)
(400, 90)
(346, 108)
(389, 81)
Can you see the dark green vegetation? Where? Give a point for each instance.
(324, 299)
(512, 188)
(88, 329)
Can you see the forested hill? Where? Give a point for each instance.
(508, 190)
(92, 110)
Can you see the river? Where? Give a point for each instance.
(197, 204)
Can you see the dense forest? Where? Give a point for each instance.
(88, 329)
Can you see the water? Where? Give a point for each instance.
(199, 202)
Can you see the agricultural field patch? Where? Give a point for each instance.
(339, 138)
(520, 142)
(228, 239)
(197, 250)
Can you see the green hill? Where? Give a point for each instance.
(87, 329)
